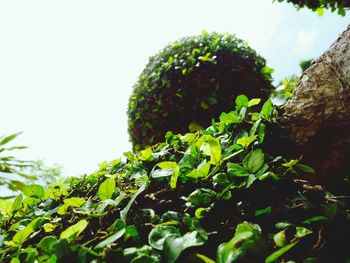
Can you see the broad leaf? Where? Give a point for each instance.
(73, 201)
(277, 254)
(237, 170)
(111, 239)
(211, 147)
(241, 101)
(158, 235)
(174, 246)
(254, 160)
(229, 118)
(247, 242)
(267, 110)
(17, 203)
(246, 141)
(74, 231)
(33, 190)
(106, 189)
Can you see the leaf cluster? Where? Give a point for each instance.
(319, 5)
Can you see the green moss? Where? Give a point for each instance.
(190, 82)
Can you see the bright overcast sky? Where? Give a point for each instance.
(67, 67)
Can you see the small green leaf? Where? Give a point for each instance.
(158, 235)
(253, 102)
(124, 212)
(211, 146)
(200, 212)
(74, 202)
(111, 239)
(237, 170)
(314, 219)
(146, 155)
(246, 241)
(174, 177)
(22, 235)
(267, 72)
(302, 232)
(320, 11)
(341, 11)
(291, 163)
(106, 189)
(282, 225)
(254, 160)
(205, 258)
(167, 169)
(203, 168)
(74, 231)
(204, 105)
(280, 238)
(261, 132)
(48, 227)
(246, 141)
(46, 243)
(241, 101)
(201, 197)
(305, 168)
(264, 211)
(9, 138)
(274, 256)
(173, 246)
(229, 118)
(17, 203)
(267, 109)
(6, 207)
(33, 190)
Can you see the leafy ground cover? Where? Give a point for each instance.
(218, 195)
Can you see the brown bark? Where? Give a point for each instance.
(318, 115)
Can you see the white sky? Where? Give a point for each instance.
(67, 67)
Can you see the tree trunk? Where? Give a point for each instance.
(318, 115)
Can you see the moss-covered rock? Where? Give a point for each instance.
(190, 82)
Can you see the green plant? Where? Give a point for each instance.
(305, 64)
(16, 173)
(319, 5)
(190, 82)
(217, 195)
(11, 168)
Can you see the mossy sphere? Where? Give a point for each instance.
(190, 82)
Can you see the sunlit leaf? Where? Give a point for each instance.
(74, 231)
(106, 189)
(277, 254)
(34, 190)
(211, 147)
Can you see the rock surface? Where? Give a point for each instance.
(318, 115)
